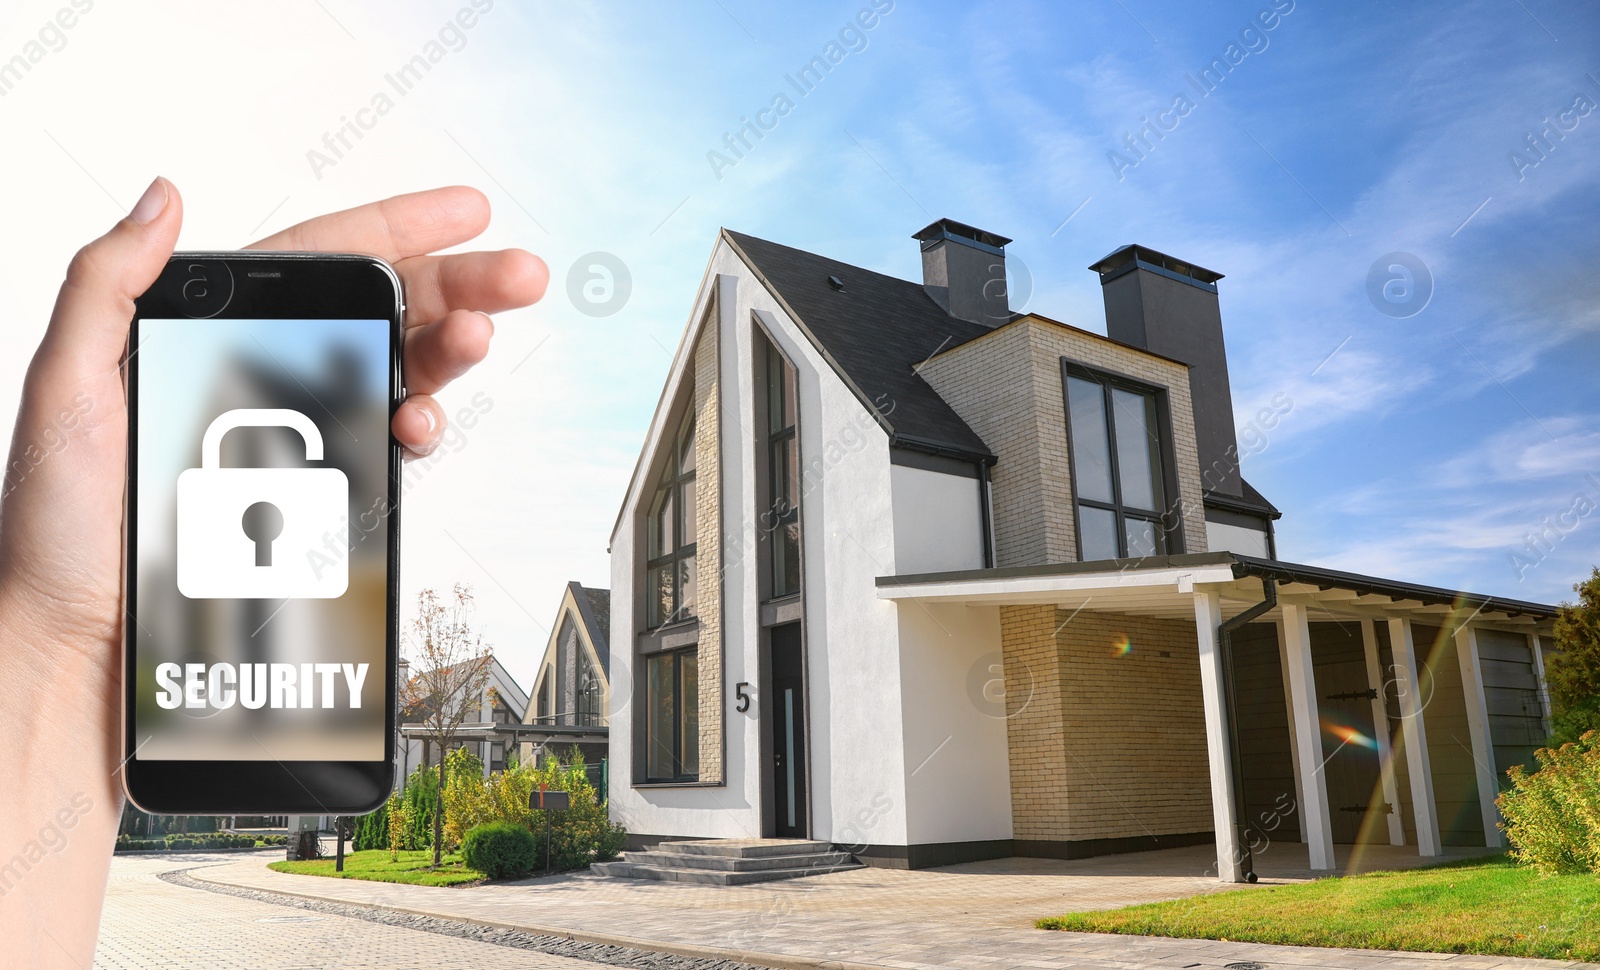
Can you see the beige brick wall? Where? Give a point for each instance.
(708, 551)
(1007, 386)
(1103, 745)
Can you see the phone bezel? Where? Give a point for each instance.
(305, 286)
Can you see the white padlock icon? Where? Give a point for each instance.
(262, 533)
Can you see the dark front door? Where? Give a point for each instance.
(787, 701)
(1356, 809)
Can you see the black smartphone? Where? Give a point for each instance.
(262, 534)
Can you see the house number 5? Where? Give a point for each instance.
(743, 695)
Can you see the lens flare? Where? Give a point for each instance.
(1122, 645)
(1349, 735)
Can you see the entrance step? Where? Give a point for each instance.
(729, 862)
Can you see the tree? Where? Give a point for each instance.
(1573, 674)
(454, 662)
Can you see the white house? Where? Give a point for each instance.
(488, 731)
(902, 570)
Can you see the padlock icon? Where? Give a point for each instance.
(262, 533)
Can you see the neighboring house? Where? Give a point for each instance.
(572, 693)
(489, 732)
(904, 570)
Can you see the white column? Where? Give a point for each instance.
(1308, 736)
(1294, 734)
(1538, 673)
(1414, 736)
(1478, 728)
(1380, 733)
(1207, 617)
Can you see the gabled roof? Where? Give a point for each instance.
(875, 330)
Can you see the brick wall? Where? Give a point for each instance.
(1103, 745)
(708, 551)
(1007, 386)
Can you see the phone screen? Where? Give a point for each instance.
(261, 568)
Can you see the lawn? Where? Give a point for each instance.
(415, 868)
(1489, 906)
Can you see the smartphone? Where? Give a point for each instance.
(262, 535)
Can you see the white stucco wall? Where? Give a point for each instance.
(854, 706)
(1232, 538)
(958, 783)
(936, 522)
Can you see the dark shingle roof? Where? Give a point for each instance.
(874, 330)
(595, 607)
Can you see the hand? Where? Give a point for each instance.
(61, 522)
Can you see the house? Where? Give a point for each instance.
(489, 731)
(572, 691)
(906, 571)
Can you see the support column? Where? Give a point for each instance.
(1478, 728)
(1314, 819)
(1414, 736)
(1230, 855)
(1544, 688)
(1380, 733)
(1294, 733)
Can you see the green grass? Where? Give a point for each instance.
(413, 868)
(1489, 906)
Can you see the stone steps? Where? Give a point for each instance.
(729, 862)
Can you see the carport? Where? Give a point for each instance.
(1337, 708)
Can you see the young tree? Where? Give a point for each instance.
(1573, 674)
(454, 662)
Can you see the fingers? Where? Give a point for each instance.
(487, 281)
(440, 352)
(90, 324)
(394, 229)
(418, 424)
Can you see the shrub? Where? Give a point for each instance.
(1572, 669)
(1552, 816)
(578, 836)
(500, 850)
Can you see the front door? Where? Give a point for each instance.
(787, 702)
(1357, 812)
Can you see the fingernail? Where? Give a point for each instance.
(428, 416)
(150, 204)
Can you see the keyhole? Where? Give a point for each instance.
(262, 523)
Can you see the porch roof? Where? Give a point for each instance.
(1161, 586)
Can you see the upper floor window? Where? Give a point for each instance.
(588, 690)
(1118, 469)
(781, 520)
(670, 579)
(545, 707)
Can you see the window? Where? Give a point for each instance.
(670, 576)
(672, 716)
(546, 692)
(588, 690)
(781, 520)
(1117, 468)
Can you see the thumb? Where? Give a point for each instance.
(90, 324)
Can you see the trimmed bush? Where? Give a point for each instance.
(1552, 816)
(500, 850)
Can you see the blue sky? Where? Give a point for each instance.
(1422, 447)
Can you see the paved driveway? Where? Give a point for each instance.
(969, 917)
(149, 923)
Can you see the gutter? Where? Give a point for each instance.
(1230, 704)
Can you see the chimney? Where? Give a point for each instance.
(964, 270)
(1169, 307)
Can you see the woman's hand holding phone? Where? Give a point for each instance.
(61, 613)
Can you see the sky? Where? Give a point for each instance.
(1442, 410)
